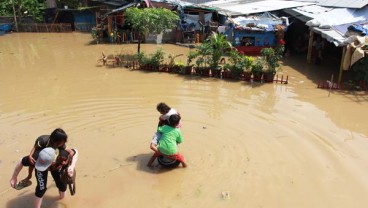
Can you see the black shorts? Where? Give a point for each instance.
(25, 159)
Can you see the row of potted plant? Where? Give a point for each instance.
(217, 58)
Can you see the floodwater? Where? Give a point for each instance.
(255, 146)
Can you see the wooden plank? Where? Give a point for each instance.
(310, 47)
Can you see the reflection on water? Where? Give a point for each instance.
(267, 145)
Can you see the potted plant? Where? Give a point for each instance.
(272, 58)
(257, 69)
(218, 47)
(178, 67)
(239, 64)
(191, 56)
(247, 64)
(156, 59)
(203, 50)
(201, 68)
(173, 67)
(142, 60)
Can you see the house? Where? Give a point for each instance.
(193, 23)
(252, 25)
(340, 33)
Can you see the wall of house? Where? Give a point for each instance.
(251, 38)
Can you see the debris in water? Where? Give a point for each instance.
(225, 195)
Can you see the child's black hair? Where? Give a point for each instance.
(57, 137)
(174, 120)
(63, 156)
(163, 108)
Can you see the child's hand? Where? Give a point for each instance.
(70, 171)
(13, 182)
(31, 160)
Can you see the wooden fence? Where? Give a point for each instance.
(45, 27)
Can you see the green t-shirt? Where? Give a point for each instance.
(169, 139)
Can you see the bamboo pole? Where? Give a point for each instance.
(342, 63)
(330, 85)
(310, 47)
(109, 25)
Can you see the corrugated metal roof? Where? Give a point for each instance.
(344, 3)
(357, 4)
(184, 4)
(243, 7)
(328, 15)
(338, 26)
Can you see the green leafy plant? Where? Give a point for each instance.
(200, 62)
(157, 58)
(180, 66)
(271, 58)
(238, 63)
(210, 51)
(360, 69)
(6, 8)
(148, 20)
(141, 58)
(154, 60)
(257, 67)
(34, 8)
(203, 52)
(219, 46)
(172, 59)
(192, 55)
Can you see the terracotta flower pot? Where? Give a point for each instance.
(268, 76)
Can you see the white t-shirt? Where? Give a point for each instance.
(166, 116)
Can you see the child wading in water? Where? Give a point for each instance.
(165, 112)
(57, 140)
(170, 137)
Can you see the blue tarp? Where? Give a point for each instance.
(6, 27)
(342, 29)
(84, 17)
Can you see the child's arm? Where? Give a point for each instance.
(14, 178)
(74, 162)
(179, 139)
(30, 157)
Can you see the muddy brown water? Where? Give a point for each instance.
(269, 145)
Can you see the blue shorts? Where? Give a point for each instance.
(156, 137)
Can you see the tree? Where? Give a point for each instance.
(154, 20)
(33, 7)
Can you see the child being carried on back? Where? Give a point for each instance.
(165, 111)
(170, 137)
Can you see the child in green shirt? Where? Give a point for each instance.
(170, 137)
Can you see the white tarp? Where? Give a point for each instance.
(339, 16)
(344, 3)
(193, 20)
(242, 7)
(356, 4)
(323, 22)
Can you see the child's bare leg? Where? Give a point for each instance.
(154, 147)
(153, 158)
(30, 171)
(184, 164)
(180, 158)
(61, 195)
